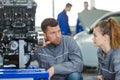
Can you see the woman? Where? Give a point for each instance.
(107, 38)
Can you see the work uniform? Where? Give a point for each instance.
(79, 27)
(65, 57)
(109, 66)
(63, 23)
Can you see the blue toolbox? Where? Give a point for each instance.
(36, 74)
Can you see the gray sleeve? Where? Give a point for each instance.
(99, 61)
(75, 62)
(116, 62)
(34, 56)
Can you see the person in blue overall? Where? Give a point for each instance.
(107, 38)
(62, 18)
(60, 54)
(79, 27)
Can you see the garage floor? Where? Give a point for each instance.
(89, 72)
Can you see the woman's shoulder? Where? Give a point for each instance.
(117, 50)
(116, 53)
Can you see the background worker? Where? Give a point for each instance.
(63, 20)
(79, 27)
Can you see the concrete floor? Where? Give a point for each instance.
(89, 72)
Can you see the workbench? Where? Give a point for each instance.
(36, 74)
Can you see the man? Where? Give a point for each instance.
(79, 27)
(86, 5)
(63, 20)
(60, 54)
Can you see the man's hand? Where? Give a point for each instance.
(100, 77)
(45, 43)
(51, 72)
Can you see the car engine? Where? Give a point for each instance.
(17, 31)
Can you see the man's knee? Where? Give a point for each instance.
(75, 76)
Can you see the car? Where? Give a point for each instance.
(85, 42)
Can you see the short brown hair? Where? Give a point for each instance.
(48, 22)
(68, 5)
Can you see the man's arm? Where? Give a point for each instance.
(75, 62)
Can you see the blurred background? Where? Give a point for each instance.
(51, 8)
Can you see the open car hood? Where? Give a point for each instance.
(88, 17)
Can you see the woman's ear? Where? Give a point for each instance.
(107, 37)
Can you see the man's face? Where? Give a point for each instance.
(86, 6)
(53, 34)
(69, 8)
